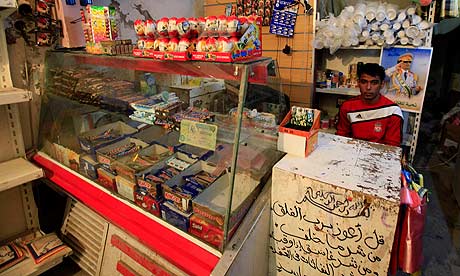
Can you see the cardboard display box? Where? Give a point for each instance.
(106, 160)
(174, 216)
(89, 166)
(118, 129)
(298, 142)
(146, 202)
(211, 204)
(125, 187)
(144, 178)
(180, 192)
(208, 232)
(129, 166)
(106, 179)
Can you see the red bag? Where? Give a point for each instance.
(407, 251)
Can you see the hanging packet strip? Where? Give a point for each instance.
(284, 18)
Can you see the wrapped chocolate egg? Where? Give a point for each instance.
(201, 25)
(222, 24)
(211, 44)
(211, 24)
(139, 27)
(150, 28)
(141, 43)
(173, 45)
(193, 22)
(193, 43)
(156, 44)
(184, 44)
(163, 44)
(162, 27)
(224, 45)
(172, 27)
(234, 40)
(201, 45)
(183, 27)
(233, 25)
(149, 43)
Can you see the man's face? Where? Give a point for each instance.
(405, 62)
(369, 87)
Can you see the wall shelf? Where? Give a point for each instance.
(17, 172)
(14, 95)
(339, 91)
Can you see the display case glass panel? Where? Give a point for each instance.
(174, 138)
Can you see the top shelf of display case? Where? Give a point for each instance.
(258, 72)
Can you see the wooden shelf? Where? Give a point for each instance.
(17, 172)
(339, 91)
(14, 95)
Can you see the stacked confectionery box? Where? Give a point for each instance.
(222, 38)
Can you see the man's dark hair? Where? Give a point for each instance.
(372, 69)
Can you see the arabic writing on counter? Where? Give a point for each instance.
(300, 238)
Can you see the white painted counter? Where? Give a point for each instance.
(335, 211)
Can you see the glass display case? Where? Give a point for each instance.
(186, 143)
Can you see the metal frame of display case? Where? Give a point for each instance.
(181, 249)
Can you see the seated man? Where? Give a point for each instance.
(371, 116)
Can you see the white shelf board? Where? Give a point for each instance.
(339, 91)
(28, 267)
(14, 95)
(17, 172)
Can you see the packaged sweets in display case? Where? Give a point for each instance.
(154, 153)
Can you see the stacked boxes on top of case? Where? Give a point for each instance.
(97, 138)
(222, 38)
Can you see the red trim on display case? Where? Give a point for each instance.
(175, 248)
(124, 269)
(137, 256)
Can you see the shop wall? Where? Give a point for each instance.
(295, 69)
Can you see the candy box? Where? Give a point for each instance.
(106, 179)
(208, 232)
(128, 146)
(181, 189)
(89, 166)
(102, 136)
(211, 204)
(174, 216)
(129, 166)
(143, 199)
(125, 187)
(154, 177)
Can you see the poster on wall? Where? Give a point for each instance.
(406, 72)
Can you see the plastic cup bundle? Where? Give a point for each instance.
(360, 12)
(401, 16)
(371, 10)
(392, 11)
(381, 13)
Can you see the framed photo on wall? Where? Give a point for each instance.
(406, 72)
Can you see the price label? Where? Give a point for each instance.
(198, 134)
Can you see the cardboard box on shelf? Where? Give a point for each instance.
(298, 142)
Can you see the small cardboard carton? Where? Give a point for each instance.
(106, 179)
(208, 232)
(107, 155)
(174, 216)
(129, 166)
(95, 139)
(298, 142)
(181, 189)
(89, 166)
(125, 187)
(143, 199)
